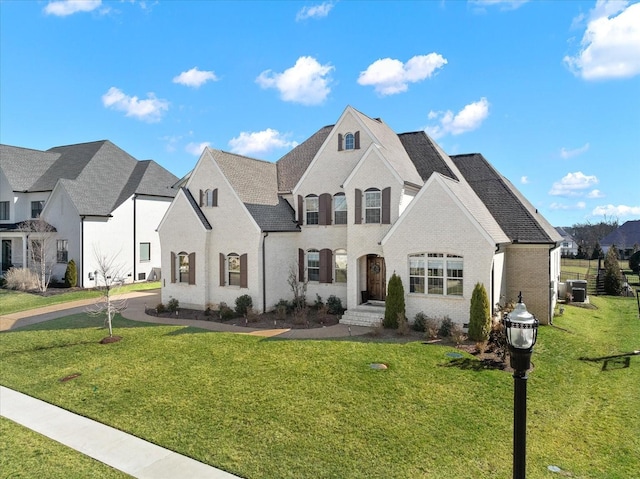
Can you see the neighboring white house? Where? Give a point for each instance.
(96, 196)
(569, 247)
(346, 209)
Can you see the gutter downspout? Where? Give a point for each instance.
(82, 251)
(135, 275)
(264, 273)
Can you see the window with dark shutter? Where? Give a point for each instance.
(339, 142)
(386, 206)
(201, 198)
(326, 265)
(192, 268)
(222, 259)
(357, 140)
(243, 271)
(325, 209)
(214, 201)
(357, 209)
(173, 267)
(300, 209)
(300, 265)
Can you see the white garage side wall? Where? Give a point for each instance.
(149, 213)
(61, 213)
(182, 231)
(437, 224)
(110, 237)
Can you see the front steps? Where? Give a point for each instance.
(369, 314)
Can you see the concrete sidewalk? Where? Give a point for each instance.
(119, 450)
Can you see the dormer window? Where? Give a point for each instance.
(349, 142)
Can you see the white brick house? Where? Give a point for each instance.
(346, 209)
(95, 196)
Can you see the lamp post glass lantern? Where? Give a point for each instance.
(522, 332)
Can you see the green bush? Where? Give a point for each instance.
(71, 275)
(243, 304)
(446, 326)
(479, 314)
(160, 308)
(419, 322)
(285, 305)
(394, 303)
(225, 311)
(172, 305)
(612, 273)
(335, 305)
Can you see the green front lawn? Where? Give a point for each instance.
(264, 408)
(14, 301)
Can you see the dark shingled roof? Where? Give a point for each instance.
(516, 216)
(274, 218)
(196, 208)
(292, 166)
(425, 155)
(624, 237)
(98, 176)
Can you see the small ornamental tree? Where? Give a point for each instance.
(634, 262)
(597, 251)
(612, 274)
(394, 303)
(71, 274)
(479, 314)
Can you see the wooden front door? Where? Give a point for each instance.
(376, 274)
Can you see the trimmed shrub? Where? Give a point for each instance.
(419, 322)
(243, 304)
(335, 305)
(71, 275)
(225, 311)
(431, 327)
(479, 314)
(612, 274)
(160, 308)
(445, 327)
(394, 303)
(172, 305)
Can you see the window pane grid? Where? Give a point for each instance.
(313, 265)
(340, 267)
(340, 209)
(437, 264)
(312, 206)
(4, 210)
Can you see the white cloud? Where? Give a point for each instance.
(149, 110)
(564, 153)
(610, 47)
(573, 184)
(580, 205)
(259, 142)
(307, 82)
(503, 4)
(62, 8)
(389, 76)
(467, 119)
(196, 148)
(619, 211)
(317, 11)
(524, 180)
(594, 194)
(195, 78)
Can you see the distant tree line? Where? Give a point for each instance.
(588, 235)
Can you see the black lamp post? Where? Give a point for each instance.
(522, 332)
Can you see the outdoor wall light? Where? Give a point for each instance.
(522, 332)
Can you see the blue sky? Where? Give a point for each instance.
(548, 92)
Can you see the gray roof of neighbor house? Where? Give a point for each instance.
(518, 218)
(256, 184)
(626, 236)
(98, 176)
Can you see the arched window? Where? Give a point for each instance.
(312, 209)
(340, 271)
(349, 141)
(233, 269)
(339, 209)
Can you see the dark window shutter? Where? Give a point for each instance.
(357, 140)
(201, 198)
(386, 206)
(214, 200)
(300, 264)
(300, 209)
(192, 268)
(173, 267)
(358, 207)
(339, 142)
(243, 271)
(223, 261)
(324, 209)
(326, 265)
